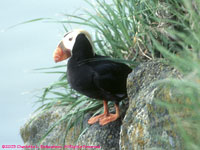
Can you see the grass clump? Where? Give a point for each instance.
(184, 106)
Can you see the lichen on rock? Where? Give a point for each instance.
(39, 124)
(146, 124)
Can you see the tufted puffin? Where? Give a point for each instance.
(93, 75)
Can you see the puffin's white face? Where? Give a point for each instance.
(65, 47)
(70, 39)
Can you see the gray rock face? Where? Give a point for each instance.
(107, 137)
(146, 125)
(37, 126)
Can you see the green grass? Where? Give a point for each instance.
(185, 103)
(134, 31)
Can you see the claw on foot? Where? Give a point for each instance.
(106, 117)
(95, 119)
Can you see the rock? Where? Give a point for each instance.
(38, 124)
(147, 125)
(107, 137)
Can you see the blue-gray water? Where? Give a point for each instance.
(23, 49)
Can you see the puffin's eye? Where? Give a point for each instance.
(70, 39)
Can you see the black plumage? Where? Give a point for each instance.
(95, 76)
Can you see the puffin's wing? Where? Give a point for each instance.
(110, 77)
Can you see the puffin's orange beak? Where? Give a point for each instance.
(61, 53)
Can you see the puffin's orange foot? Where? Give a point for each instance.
(107, 119)
(96, 119)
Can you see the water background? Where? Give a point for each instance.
(23, 49)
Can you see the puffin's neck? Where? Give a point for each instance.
(79, 60)
(82, 54)
(82, 49)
